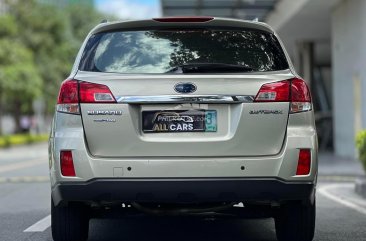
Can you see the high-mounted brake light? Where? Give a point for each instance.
(304, 162)
(184, 19)
(293, 90)
(67, 164)
(73, 92)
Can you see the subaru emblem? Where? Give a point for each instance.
(185, 88)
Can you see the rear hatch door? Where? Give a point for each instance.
(237, 129)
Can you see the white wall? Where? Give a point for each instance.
(349, 73)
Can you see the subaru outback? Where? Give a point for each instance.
(183, 116)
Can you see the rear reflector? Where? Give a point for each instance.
(304, 162)
(293, 90)
(185, 19)
(67, 164)
(73, 92)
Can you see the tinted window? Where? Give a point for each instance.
(158, 51)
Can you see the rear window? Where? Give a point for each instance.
(158, 51)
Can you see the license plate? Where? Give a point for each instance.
(179, 121)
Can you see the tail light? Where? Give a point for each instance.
(274, 92)
(68, 98)
(184, 19)
(300, 96)
(67, 164)
(73, 92)
(293, 90)
(95, 93)
(304, 162)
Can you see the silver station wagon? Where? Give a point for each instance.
(183, 116)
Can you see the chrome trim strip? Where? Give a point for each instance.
(204, 99)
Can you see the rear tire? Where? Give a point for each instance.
(69, 223)
(296, 221)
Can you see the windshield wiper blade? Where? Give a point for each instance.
(209, 68)
(175, 69)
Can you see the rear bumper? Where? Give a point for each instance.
(183, 190)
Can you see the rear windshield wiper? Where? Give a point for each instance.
(209, 68)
